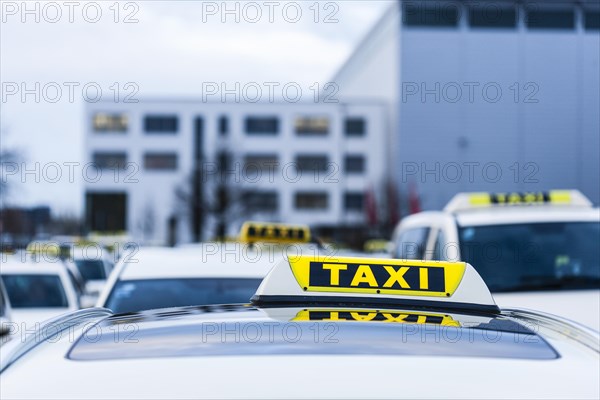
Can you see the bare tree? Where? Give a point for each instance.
(9, 160)
(211, 193)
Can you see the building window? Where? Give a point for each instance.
(223, 125)
(224, 161)
(310, 126)
(160, 161)
(161, 123)
(311, 201)
(354, 201)
(492, 17)
(312, 163)
(592, 20)
(262, 125)
(355, 127)
(264, 201)
(110, 122)
(441, 14)
(551, 19)
(354, 164)
(110, 160)
(260, 162)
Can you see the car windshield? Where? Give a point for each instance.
(35, 291)
(138, 295)
(535, 256)
(91, 269)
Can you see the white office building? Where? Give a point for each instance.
(177, 171)
(494, 95)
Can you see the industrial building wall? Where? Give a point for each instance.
(498, 108)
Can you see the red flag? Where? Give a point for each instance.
(393, 204)
(371, 207)
(413, 199)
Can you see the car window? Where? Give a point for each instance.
(557, 255)
(411, 244)
(77, 284)
(438, 248)
(137, 295)
(33, 291)
(2, 302)
(91, 269)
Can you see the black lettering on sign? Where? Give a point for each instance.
(377, 276)
(520, 198)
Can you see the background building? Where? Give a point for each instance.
(172, 171)
(493, 95)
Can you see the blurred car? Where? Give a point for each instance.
(534, 250)
(37, 290)
(55, 251)
(156, 277)
(5, 311)
(94, 267)
(318, 327)
(209, 273)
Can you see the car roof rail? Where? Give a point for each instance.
(12, 352)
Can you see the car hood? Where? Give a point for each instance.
(582, 306)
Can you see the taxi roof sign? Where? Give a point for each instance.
(252, 232)
(478, 200)
(332, 280)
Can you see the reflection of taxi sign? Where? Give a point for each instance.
(463, 201)
(391, 316)
(271, 232)
(353, 280)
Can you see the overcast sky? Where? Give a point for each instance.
(165, 49)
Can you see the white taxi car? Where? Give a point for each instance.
(5, 311)
(37, 288)
(318, 327)
(94, 266)
(209, 273)
(534, 250)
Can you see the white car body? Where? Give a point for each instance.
(24, 317)
(93, 287)
(582, 305)
(5, 311)
(320, 345)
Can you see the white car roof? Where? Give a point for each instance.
(174, 358)
(206, 260)
(17, 265)
(526, 214)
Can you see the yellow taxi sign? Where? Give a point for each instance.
(377, 276)
(385, 316)
(45, 248)
(464, 201)
(332, 281)
(252, 232)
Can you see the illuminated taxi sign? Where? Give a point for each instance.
(552, 198)
(376, 276)
(389, 316)
(331, 281)
(252, 232)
